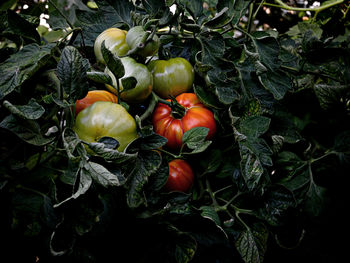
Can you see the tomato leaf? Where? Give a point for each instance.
(30, 111)
(252, 243)
(128, 83)
(101, 175)
(71, 72)
(99, 77)
(235, 10)
(27, 130)
(113, 63)
(22, 65)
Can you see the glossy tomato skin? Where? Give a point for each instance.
(144, 81)
(181, 176)
(114, 41)
(105, 118)
(171, 77)
(92, 96)
(134, 38)
(197, 115)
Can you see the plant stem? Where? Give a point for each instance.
(323, 156)
(317, 9)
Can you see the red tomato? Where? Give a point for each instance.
(181, 176)
(93, 96)
(196, 115)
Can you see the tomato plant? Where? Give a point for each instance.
(171, 77)
(181, 176)
(254, 95)
(106, 119)
(93, 96)
(187, 113)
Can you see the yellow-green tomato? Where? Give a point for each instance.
(114, 41)
(143, 86)
(171, 77)
(104, 118)
(134, 38)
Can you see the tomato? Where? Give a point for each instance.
(114, 41)
(93, 96)
(105, 118)
(171, 77)
(172, 127)
(134, 38)
(181, 176)
(144, 81)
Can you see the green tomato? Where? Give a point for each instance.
(134, 38)
(114, 41)
(143, 76)
(105, 118)
(171, 77)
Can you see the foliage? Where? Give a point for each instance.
(281, 100)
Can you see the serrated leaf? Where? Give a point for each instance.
(30, 111)
(22, 65)
(195, 137)
(71, 71)
(252, 243)
(101, 175)
(277, 82)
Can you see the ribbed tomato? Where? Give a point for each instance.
(93, 96)
(181, 176)
(172, 127)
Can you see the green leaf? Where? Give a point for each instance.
(268, 50)
(194, 7)
(160, 177)
(147, 163)
(236, 9)
(252, 243)
(27, 130)
(195, 137)
(219, 20)
(22, 65)
(128, 83)
(101, 175)
(17, 26)
(153, 7)
(207, 98)
(111, 154)
(210, 213)
(99, 77)
(73, 145)
(254, 126)
(329, 96)
(148, 142)
(316, 200)
(30, 111)
(113, 63)
(71, 72)
(277, 82)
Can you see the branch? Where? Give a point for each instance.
(315, 9)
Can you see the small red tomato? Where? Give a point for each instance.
(172, 127)
(181, 176)
(93, 96)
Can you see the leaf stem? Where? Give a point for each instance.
(282, 5)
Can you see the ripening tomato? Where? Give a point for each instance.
(171, 77)
(105, 118)
(181, 176)
(91, 97)
(134, 38)
(114, 41)
(173, 127)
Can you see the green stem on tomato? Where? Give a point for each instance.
(317, 9)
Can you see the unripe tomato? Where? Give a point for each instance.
(105, 118)
(171, 77)
(172, 128)
(114, 41)
(181, 176)
(144, 81)
(91, 97)
(134, 38)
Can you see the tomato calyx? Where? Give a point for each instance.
(177, 110)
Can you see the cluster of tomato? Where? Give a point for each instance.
(99, 114)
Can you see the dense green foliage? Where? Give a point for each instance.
(268, 187)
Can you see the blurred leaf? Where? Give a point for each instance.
(329, 96)
(22, 65)
(72, 74)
